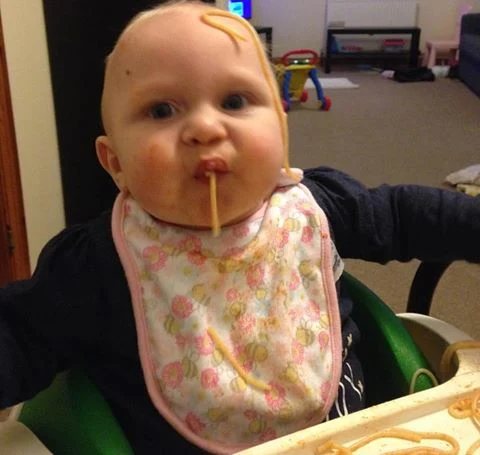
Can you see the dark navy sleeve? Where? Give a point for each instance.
(50, 319)
(397, 222)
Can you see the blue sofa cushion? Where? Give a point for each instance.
(469, 50)
(470, 47)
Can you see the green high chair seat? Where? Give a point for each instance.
(387, 352)
(72, 417)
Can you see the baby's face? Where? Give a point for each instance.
(181, 97)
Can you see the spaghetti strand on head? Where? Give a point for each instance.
(209, 18)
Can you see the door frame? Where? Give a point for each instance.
(14, 259)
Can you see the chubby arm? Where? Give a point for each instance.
(397, 222)
(49, 321)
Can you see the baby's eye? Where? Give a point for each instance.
(161, 111)
(234, 102)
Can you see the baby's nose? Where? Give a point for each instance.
(204, 126)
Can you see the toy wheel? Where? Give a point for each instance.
(304, 96)
(327, 104)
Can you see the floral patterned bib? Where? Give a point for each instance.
(239, 335)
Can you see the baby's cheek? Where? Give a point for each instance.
(268, 150)
(145, 174)
(266, 140)
(150, 166)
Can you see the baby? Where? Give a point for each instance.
(208, 342)
(179, 89)
(246, 342)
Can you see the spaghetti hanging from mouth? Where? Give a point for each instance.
(213, 203)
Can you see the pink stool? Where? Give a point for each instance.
(434, 47)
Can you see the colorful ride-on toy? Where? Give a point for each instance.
(295, 68)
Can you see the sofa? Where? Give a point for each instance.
(469, 52)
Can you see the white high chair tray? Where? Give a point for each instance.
(17, 439)
(422, 412)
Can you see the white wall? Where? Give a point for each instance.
(437, 19)
(31, 93)
(296, 23)
(301, 23)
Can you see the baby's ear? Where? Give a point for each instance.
(109, 160)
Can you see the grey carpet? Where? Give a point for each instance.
(388, 132)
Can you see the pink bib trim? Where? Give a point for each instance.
(151, 361)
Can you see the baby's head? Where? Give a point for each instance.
(188, 91)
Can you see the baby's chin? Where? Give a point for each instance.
(204, 222)
(245, 215)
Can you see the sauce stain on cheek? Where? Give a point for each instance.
(154, 153)
(151, 165)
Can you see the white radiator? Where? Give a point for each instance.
(371, 13)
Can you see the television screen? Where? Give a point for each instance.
(241, 7)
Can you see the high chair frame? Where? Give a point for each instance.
(72, 417)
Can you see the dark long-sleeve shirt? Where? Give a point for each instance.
(76, 309)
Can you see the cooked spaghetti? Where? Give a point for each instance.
(333, 448)
(468, 407)
(452, 349)
(460, 409)
(471, 450)
(256, 383)
(416, 375)
(210, 18)
(465, 407)
(213, 203)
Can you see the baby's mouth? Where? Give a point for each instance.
(207, 166)
(208, 171)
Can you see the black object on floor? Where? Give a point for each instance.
(421, 74)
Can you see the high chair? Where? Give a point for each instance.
(72, 417)
(435, 47)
